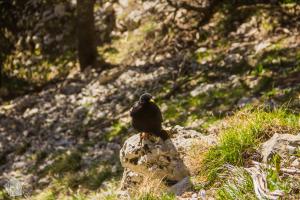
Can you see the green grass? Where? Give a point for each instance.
(116, 130)
(239, 186)
(242, 135)
(274, 180)
(4, 195)
(46, 194)
(183, 110)
(66, 162)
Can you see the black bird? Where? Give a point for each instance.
(147, 118)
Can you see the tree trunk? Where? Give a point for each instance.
(87, 52)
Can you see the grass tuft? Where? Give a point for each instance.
(242, 134)
(239, 186)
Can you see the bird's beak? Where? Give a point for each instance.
(152, 100)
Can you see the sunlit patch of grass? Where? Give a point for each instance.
(116, 130)
(174, 112)
(4, 195)
(184, 110)
(202, 56)
(211, 121)
(243, 133)
(46, 194)
(122, 48)
(152, 189)
(151, 196)
(29, 67)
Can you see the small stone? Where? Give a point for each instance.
(291, 149)
(202, 88)
(296, 163)
(281, 144)
(123, 3)
(202, 194)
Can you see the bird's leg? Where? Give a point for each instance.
(143, 136)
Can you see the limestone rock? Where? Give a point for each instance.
(151, 157)
(123, 3)
(167, 160)
(280, 144)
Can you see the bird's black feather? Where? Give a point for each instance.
(146, 117)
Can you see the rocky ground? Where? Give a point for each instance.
(68, 136)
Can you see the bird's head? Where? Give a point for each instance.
(145, 98)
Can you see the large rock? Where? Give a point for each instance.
(166, 160)
(282, 144)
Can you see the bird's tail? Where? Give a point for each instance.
(163, 134)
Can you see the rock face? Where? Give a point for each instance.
(281, 144)
(166, 160)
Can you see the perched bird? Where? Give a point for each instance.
(147, 118)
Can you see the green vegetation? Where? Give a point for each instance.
(121, 49)
(151, 196)
(4, 195)
(47, 194)
(116, 130)
(208, 106)
(200, 71)
(239, 186)
(273, 176)
(242, 135)
(67, 162)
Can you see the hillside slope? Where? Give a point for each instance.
(63, 142)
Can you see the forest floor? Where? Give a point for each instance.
(63, 142)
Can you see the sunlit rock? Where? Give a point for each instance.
(166, 160)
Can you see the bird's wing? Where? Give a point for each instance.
(157, 113)
(134, 109)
